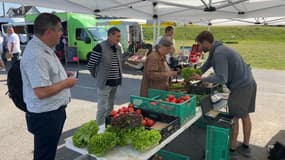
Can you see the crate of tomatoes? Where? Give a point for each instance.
(133, 117)
(170, 103)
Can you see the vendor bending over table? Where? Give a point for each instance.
(230, 69)
(156, 72)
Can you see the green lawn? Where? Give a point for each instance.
(262, 47)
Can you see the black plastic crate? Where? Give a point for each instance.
(223, 119)
(199, 89)
(173, 123)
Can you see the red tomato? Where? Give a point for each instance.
(131, 110)
(125, 109)
(116, 115)
(113, 113)
(181, 101)
(150, 122)
(186, 97)
(173, 101)
(139, 111)
(171, 97)
(120, 110)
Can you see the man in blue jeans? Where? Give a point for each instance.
(105, 65)
(46, 86)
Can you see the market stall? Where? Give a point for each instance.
(129, 153)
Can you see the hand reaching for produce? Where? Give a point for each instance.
(188, 72)
(196, 76)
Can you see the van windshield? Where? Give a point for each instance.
(98, 34)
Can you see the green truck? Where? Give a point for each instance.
(79, 30)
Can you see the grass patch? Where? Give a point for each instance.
(260, 46)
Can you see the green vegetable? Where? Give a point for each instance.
(100, 144)
(126, 135)
(176, 85)
(187, 73)
(83, 134)
(146, 139)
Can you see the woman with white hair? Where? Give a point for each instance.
(157, 72)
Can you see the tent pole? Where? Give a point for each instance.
(3, 7)
(209, 26)
(158, 28)
(154, 31)
(184, 38)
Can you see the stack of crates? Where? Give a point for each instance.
(155, 102)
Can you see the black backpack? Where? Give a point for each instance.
(15, 86)
(276, 152)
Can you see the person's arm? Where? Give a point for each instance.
(38, 73)
(153, 72)
(206, 65)
(95, 57)
(45, 92)
(221, 69)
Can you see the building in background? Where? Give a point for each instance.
(22, 11)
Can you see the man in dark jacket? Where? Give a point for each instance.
(230, 69)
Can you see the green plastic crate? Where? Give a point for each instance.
(166, 155)
(218, 143)
(185, 111)
(201, 123)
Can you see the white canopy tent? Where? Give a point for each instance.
(185, 11)
(178, 10)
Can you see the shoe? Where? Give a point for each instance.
(246, 152)
(234, 156)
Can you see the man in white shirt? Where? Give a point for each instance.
(46, 86)
(13, 44)
(169, 32)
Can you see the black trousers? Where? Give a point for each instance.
(46, 128)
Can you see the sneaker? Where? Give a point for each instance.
(234, 156)
(246, 152)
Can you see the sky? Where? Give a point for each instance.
(9, 5)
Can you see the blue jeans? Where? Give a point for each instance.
(106, 97)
